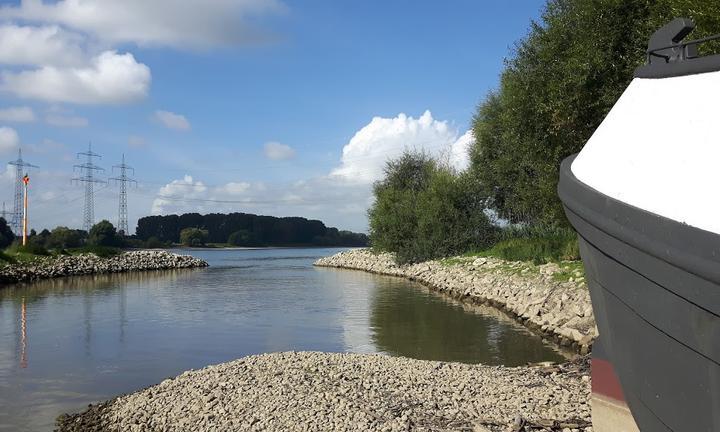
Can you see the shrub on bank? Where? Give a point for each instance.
(103, 233)
(539, 245)
(424, 210)
(7, 258)
(193, 237)
(6, 234)
(30, 249)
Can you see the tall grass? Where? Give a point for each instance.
(30, 249)
(537, 244)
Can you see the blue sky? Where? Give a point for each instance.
(263, 106)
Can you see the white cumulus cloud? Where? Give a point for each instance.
(9, 139)
(277, 151)
(177, 191)
(460, 151)
(186, 24)
(21, 114)
(172, 120)
(40, 46)
(364, 157)
(111, 78)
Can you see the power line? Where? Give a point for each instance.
(20, 172)
(123, 180)
(87, 176)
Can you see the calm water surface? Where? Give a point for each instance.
(68, 342)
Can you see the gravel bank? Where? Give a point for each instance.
(548, 298)
(50, 267)
(309, 391)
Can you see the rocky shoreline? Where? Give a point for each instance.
(551, 299)
(86, 264)
(309, 391)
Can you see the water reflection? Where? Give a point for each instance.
(23, 336)
(431, 327)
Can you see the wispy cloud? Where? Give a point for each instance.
(172, 120)
(277, 151)
(21, 114)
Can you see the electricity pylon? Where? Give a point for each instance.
(17, 215)
(87, 176)
(123, 180)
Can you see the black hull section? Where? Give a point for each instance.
(655, 289)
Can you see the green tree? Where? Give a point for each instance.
(451, 216)
(425, 210)
(193, 237)
(103, 234)
(393, 217)
(242, 238)
(6, 234)
(63, 237)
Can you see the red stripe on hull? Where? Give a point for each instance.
(604, 380)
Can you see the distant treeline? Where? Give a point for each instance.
(243, 229)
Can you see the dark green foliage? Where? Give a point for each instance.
(29, 249)
(41, 238)
(242, 238)
(263, 230)
(452, 216)
(64, 238)
(193, 237)
(6, 234)
(539, 245)
(154, 243)
(393, 218)
(423, 210)
(4, 257)
(556, 89)
(103, 234)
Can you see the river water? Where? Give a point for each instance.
(68, 342)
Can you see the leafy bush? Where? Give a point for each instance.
(7, 258)
(424, 210)
(103, 233)
(193, 237)
(6, 234)
(63, 238)
(155, 243)
(29, 249)
(242, 238)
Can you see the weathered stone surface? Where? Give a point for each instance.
(306, 391)
(560, 309)
(85, 264)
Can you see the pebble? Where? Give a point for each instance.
(311, 391)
